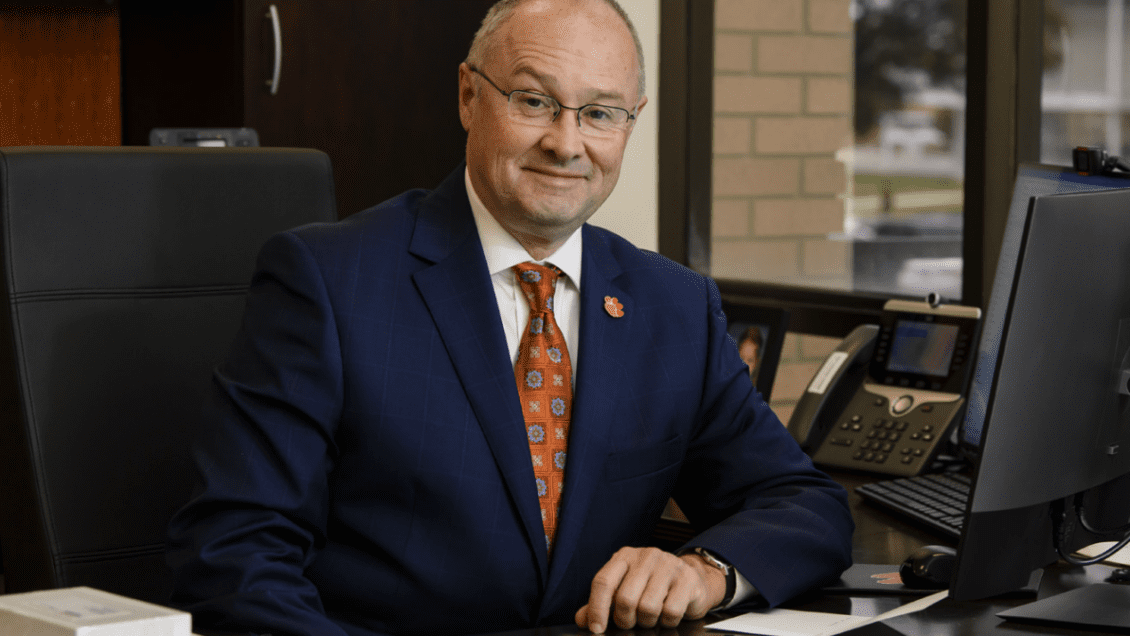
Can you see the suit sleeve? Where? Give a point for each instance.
(239, 548)
(779, 521)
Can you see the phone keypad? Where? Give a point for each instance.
(873, 437)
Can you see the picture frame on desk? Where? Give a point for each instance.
(760, 328)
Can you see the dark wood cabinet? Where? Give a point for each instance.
(373, 83)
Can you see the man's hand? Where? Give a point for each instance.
(646, 586)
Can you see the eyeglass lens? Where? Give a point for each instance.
(542, 110)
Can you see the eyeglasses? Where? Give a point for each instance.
(542, 110)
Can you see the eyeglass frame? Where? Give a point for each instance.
(631, 115)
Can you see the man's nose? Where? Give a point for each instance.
(563, 136)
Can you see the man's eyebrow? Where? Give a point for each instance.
(549, 83)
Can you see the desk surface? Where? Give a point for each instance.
(881, 537)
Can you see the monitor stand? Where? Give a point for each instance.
(1100, 606)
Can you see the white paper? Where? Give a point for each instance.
(81, 608)
(783, 622)
(84, 611)
(1122, 557)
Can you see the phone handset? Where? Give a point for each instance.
(833, 386)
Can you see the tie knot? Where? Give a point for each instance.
(537, 283)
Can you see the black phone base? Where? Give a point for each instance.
(889, 430)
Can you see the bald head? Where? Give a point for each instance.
(485, 37)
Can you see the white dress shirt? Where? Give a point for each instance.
(503, 252)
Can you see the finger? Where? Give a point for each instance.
(652, 600)
(627, 596)
(604, 585)
(582, 617)
(698, 605)
(679, 603)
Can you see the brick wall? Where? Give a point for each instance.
(782, 110)
(782, 100)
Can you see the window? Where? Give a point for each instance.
(709, 151)
(1086, 80)
(838, 143)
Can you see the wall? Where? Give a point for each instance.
(632, 209)
(782, 113)
(782, 102)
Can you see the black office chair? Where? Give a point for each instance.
(124, 272)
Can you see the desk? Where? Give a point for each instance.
(881, 537)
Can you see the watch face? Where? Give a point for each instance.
(712, 560)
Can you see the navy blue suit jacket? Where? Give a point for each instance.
(367, 472)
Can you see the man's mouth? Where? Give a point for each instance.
(557, 174)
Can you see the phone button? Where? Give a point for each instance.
(902, 405)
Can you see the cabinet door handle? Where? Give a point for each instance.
(273, 14)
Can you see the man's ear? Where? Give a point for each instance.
(466, 95)
(639, 107)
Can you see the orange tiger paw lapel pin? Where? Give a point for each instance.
(613, 307)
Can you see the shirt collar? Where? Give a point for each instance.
(503, 251)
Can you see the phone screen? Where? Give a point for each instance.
(924, 348)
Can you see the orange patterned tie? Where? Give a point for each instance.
(545, 387)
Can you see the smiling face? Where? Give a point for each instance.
(542, 183)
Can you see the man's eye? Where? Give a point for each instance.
(598, 114)
(534, 102)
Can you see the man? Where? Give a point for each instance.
(382, 462)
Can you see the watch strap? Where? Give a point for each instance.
(727, 569)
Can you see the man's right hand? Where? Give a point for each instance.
(647, 586)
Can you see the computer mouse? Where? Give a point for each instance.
(929, 567)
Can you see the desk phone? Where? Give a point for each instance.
(888, 396)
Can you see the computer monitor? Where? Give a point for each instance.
(1032, 180)
(1046, 422)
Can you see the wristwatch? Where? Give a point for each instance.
(727, 569)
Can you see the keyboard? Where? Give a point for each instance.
(936, 501)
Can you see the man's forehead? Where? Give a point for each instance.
(604, 88)
(591, 41)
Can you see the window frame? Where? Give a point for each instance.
(1002, 108)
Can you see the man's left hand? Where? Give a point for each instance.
(646, 586)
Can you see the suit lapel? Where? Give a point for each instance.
(603, 345)
(460, 297)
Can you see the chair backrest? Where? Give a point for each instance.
(124, 272)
